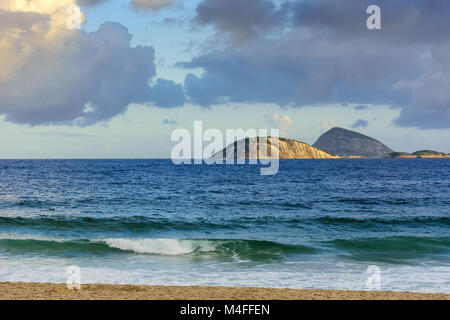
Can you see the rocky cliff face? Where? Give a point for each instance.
(288, 149)
(346, 143)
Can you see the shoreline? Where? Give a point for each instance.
(59, 291)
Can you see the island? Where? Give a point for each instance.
(350, 144)
(336, 143)
(419, 154)
(288, 149)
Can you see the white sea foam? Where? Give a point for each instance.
(161, 246)
(321, 272)
(158, 246)
(146, 245)
(318, 274)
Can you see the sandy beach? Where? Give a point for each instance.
(51, 291)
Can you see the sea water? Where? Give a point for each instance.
(315, 224)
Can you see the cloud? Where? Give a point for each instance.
(169, 122)
(234, 78)
(150, 5)
(239, 19)
(167, 94)
(137, 5)
(173, 22)
(90, 3)
(328, 124)
(360, 123)
(315, 52)
(361, 107)
(430, 106)
(284, 123)
(53, 75)
(287, 127)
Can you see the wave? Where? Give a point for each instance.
(49, 246)
(395, 249)
(399, 244)
(145, 224)
(273, 203)
(439, 220)
(130, 223)
(237, 248)
(386, 201)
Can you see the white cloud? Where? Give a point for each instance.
(328, 124)
(288, 128)
(284, 123)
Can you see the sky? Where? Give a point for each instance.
(136, 70)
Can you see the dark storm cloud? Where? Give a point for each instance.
(360, 123)
(402, 21)
(238, 81)
(241, 19)
(326, 54)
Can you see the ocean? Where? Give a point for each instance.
(316, 224)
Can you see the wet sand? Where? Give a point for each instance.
(39, 291)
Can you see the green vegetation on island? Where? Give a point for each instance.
(401, 155)
(420, 154)
(430, 154)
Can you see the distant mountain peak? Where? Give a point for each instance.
(347, 143)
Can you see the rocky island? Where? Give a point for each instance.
(420, 154)
(288, 149)
(334, 144)
(351, 144)
(401, 155)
